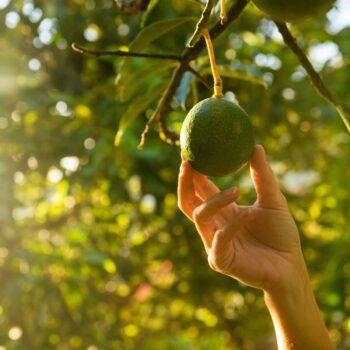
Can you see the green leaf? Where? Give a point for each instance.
(139, 105)
(155, 31)
(183, 89)
(137, 81)
(147, 13)
(228, 72)
(146, 36)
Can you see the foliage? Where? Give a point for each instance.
(94, 253)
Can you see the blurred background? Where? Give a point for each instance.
(94, 253)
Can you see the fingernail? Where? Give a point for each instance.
(263, 152)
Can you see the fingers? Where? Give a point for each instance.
(222, 255)
(203, 214)
(204, 187)
(187, 199)
(201, 201)
(268, 192)
(214, 204)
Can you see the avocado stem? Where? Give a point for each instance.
(214, 68)
(223, 14)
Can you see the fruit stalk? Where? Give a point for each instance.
(214, 68)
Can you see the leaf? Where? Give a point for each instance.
(155, 31)
(139, 104)
(147, 13)
(137, 80)
(183, 89)
(146, 36)
(228, 72)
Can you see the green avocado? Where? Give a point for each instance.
(217, 137)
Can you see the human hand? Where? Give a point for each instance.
(259, 244)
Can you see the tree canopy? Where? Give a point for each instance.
(94, 253)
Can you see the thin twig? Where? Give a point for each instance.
(200, 78)
(315, 78)
(188, 55)
(86, 51)
(163, 104)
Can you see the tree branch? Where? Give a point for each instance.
(315, 78)
(133, 7)
(202, 23)
(188, 55)
(86, 51)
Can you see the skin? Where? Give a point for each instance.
(259, 246)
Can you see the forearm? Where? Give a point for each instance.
(297, 319)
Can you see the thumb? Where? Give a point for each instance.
(265, 183)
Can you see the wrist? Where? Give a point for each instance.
(291, 296)
(295, 313)
(291, 278)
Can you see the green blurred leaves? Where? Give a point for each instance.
(138, 105)
(157, 30)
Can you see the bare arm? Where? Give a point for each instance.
(259, 246)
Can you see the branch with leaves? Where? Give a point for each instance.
(120, 53)
(315, 78)
(188, 55)
(202, 36)
(185, 59)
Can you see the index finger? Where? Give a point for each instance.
(206, 189)
(186, 194)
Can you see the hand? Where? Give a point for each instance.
(259, 244)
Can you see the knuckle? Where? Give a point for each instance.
(283, 199)
(211, 262)
(198, 213)
(220, 267)
(221, 261)
(216, 263)
(220, 233)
